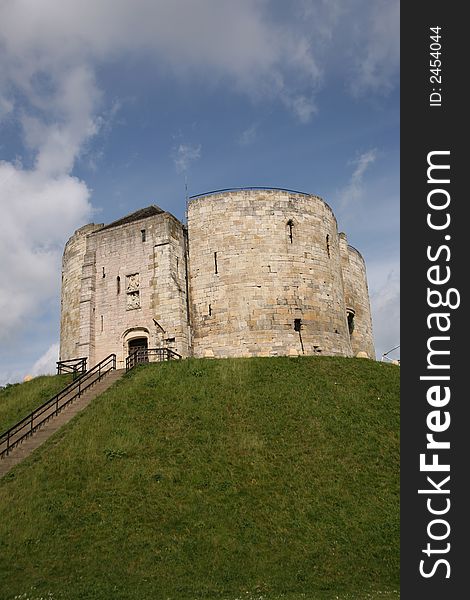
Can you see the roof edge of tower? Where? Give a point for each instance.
(138, 215)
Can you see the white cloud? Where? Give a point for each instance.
(323, 16)
(248, 136)
(355, 40)
(353, 191)
(223, 42)
(51, 49)
(184, 155)
(38, 214)
(302, 106)
(47, 363)
(362, 163)
(6, 107)
(72, 107)
(378, 60)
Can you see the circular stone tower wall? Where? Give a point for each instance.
(72, 265)
(265, 275)
(356, 294)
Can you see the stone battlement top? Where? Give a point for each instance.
(260, 189)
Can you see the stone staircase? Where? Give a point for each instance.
(42, 434)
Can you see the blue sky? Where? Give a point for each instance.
(109, 106)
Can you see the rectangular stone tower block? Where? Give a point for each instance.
(132, 286)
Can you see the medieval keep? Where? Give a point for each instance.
(256, 272)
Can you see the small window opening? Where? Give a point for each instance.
(177, 266)
(298, 328)
(142, 233)
(210, 310)
(328, 245)
(215, 263)
(118, 284)
(104, 274)
(290, 225)
(102, 322)
(351, 315)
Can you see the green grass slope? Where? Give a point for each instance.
(19, 399)
(237, 479)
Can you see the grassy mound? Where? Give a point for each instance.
(233, 479)
(19, 399)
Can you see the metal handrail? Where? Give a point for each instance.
(247, 189)
(145, 355)
(74, 365)
(29, 424)
(385, 354)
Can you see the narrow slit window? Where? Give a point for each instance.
(210, 310)
(104, 274)
(290, 230)
(351, 315)
(328, 245)
(215, 263)
(143, 234)
(298, 328)
(102, 322)
(118, 284)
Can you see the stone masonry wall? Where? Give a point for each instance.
(149, 298)
(72, 266)
(265, 271)
(259, 262)
(357, 298)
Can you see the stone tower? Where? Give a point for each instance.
(258, 272)
(124, 286)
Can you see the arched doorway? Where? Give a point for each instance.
(135, 338)
(139, 345)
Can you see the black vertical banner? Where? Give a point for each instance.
(435, 357)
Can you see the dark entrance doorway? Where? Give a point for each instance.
(141, 346)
